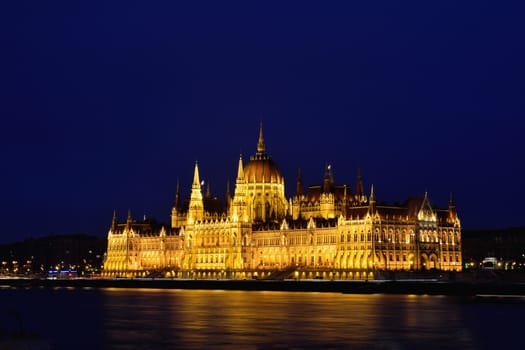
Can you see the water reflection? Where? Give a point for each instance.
(191, 319)
(194, 319)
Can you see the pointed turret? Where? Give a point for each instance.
(345, 201)
(238, 208)
(328, 178)
(452, 215)
(196, 194)
(196, 181)
(176, 204)
(372, 199)
(114, 221)
(239, 182)
(228, 196)
(129, 220)
(176, 209)
(240, 170)
(196, 209)
(299, 190)
(359, 189)
(327, 199)
(208, 190)
(295, 202)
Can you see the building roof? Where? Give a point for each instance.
(261, 168)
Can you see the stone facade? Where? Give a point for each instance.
(324, 232)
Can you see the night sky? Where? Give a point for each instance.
(106, 105)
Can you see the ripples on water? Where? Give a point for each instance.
(194, 319)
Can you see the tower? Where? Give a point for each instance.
(196, 207)
(264, 186)
(114, 222)
(228, 197)
(239, 208)
(295, 202)
(372, 201)
(360, 197)
(327, 198)
(176, 217)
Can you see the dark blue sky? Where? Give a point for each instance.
(106, 104)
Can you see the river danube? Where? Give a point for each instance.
(197, 319)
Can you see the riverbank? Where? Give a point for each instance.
(420, 287)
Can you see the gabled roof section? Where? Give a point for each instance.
(426, 213)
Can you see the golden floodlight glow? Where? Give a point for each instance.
(325, 231)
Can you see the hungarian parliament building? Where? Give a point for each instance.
(325, 231)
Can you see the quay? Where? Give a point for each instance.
(418, 287)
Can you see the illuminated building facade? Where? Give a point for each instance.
(327, 231)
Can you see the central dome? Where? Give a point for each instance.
(261, 168)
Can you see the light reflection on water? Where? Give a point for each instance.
(253, 320)
(197, 319)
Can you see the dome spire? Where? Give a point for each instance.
(261, 147)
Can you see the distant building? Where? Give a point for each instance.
(78, 252)
(326, 231)
(507, 245)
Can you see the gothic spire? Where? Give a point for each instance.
(345, 202)
(228, 194)
(114, 221)
(328, 178)
(359, 189)
(299, 191)
(452, 216)
(196, 182)
(372, 196)
(196, 208)
(208, 190)
(176, 204)
(240, 170)
(129, 220)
